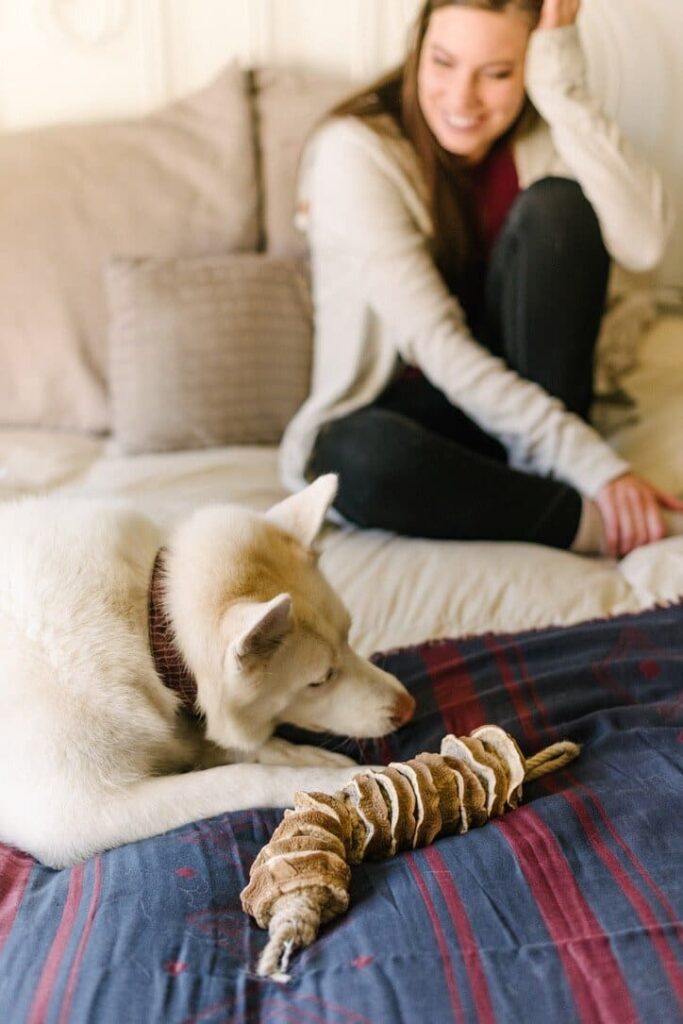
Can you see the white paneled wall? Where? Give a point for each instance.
(84, 59)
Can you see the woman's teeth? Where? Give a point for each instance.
(462, 123)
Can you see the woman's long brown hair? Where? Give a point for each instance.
(458, 246)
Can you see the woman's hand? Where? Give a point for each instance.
(559, 13)
(631, 512)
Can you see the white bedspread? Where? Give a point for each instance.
(401, 591)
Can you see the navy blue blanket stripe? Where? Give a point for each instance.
(567, 910)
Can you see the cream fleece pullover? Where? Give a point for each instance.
(378, 296)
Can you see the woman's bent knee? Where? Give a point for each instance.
(368, 450)
(554, 203)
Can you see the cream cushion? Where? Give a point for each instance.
(181, 180)
(206, 351)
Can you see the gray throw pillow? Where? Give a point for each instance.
(206, 351)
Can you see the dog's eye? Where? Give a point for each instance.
(321, 682)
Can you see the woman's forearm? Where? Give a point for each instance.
(626, 193)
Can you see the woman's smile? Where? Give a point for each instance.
(462, 124)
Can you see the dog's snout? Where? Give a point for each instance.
(404, 709)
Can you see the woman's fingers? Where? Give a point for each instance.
(655, 522)
(610, 520)
(558, 13)
(631, 513)
(668, 500)
(636, 505)
(627, 526)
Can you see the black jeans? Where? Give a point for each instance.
(413, 463)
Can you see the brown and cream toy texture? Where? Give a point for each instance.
(301, 879)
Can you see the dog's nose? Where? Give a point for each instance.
(404, 709)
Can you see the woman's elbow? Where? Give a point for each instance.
(645, 252)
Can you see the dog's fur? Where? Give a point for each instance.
(93, 751)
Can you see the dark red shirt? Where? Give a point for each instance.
(495, 186)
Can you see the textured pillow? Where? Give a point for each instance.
(177, 181)
(289, 105)
(206, 351)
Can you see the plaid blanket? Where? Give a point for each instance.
(568, 909)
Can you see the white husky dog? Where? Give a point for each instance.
(95, 749)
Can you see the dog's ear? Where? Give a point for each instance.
(303, 514)
(264, 625)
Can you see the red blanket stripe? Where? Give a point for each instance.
(453, 690)
(650, 923)
(629, 643)
(635, 898)
(532, 737)
(15, 868)
(552, 733)
(48, 978)
(465, 936)
(598, 986)
(442, 944)
(65, 1014)
(639, 867)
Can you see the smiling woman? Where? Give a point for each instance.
(471, 77)
(462, 214)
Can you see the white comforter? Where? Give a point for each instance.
(402, 591)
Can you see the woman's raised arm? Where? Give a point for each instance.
(627, 194)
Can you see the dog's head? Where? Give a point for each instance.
(265, 634)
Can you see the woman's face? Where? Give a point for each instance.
(470, 82)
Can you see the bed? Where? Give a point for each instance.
(566, 910)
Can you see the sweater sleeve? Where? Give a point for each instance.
(360, 223)
(627, 194)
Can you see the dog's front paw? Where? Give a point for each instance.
(277, 751)
(318, 755)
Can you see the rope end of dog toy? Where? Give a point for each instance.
(295, 924)
(551, 759)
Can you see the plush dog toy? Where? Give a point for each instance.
(301, 879)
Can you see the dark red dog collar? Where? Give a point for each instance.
(168, 660)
